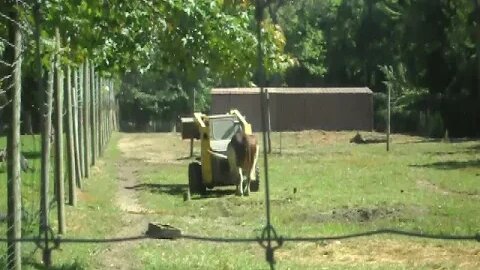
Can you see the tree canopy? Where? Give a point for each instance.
(427, 49)
(166, 55)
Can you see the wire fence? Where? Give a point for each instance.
(90, 117)
(280, 239)
(13, 50)
(39, 116)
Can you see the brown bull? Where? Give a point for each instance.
(242, 155)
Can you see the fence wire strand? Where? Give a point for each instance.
(19, 25)
(474, 237)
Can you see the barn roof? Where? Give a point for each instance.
(294, 90)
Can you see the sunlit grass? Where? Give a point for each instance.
(320, 185)
(323, 185)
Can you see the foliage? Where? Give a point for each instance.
(407, 100)
(203, 44)
(161, 51)
(184, 46)
(433, 41)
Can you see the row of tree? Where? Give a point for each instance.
(166, 55)
(46, 75)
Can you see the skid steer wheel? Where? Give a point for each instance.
(195, 183)
(255, 185)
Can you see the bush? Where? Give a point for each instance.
(407, 101)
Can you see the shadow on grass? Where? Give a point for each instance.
(32, 154)
(460, 150)
(439, 140)
(450, 165)
(171, 189)
(180, 189)
(215, 193)
(40, 266)
(436, 153)
(188, 158)
(425, 140)
(449, 153)
(475, 147)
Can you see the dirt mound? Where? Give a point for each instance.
(368, 138)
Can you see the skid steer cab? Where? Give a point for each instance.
(220, 163)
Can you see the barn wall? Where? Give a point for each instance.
(247, 104)
(303, 111)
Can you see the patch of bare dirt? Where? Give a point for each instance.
(368, 251)
(148, 148)
(134, 218)
(126, 198)
(363, 214)
(84, 196)
(320, 137)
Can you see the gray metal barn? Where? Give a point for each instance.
(293, 109)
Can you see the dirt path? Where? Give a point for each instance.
(134, 218)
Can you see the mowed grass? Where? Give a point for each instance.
(95, 216)
(322, 185)
(30, 183)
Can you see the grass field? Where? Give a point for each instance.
(320, 185)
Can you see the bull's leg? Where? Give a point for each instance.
(254, 165)
(240, 183)
(246, 191)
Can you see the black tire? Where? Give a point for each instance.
(255, 185)
(195, 182)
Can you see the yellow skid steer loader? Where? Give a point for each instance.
(212, 168)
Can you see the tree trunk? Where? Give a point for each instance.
(81, 121)
(115, 112)
(86, 118)
(76, 131)
(111, 110)
(100, 117)
(72, 195)
(477, 12)
(46, 126)
(59, 165)
(46, 153)
(14, 222)
(93, 106)
(388, 117)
